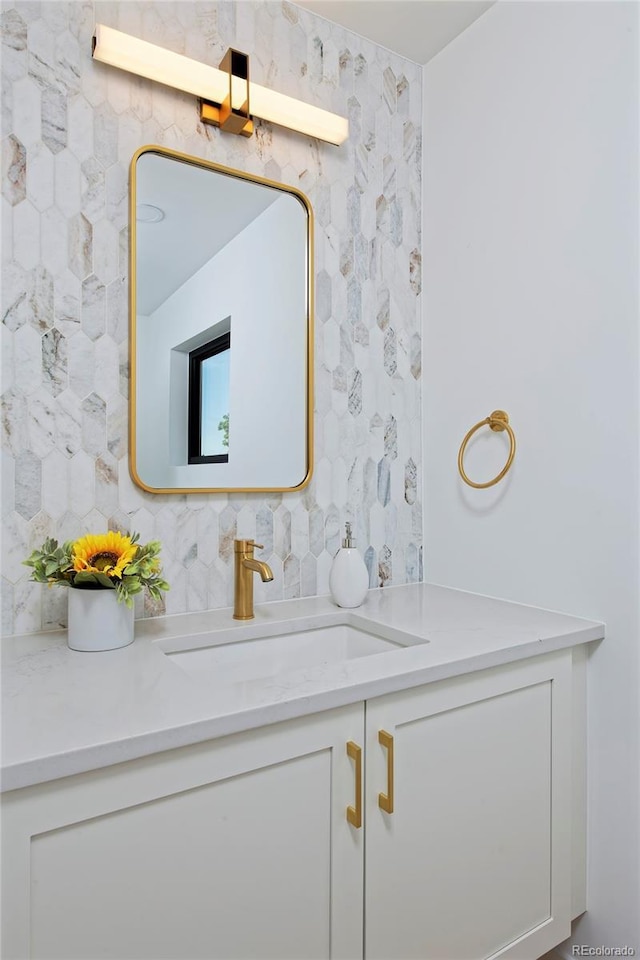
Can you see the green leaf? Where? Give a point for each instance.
(83, 577)
(104, 580)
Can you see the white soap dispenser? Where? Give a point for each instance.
(348, 579)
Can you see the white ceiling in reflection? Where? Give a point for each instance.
(203, 211)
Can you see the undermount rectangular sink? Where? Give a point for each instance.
(268, 657)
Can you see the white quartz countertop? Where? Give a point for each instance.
(65, 712)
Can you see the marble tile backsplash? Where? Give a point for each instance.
(69, 129)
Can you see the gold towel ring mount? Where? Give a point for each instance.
(497, 421)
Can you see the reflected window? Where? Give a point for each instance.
(209, 401)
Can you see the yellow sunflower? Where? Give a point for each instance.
(107, 553)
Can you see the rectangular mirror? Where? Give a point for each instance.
(221, 328)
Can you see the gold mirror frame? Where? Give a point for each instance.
(133, 347)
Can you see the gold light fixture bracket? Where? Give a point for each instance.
(232, 115)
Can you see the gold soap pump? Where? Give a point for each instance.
(349, 578)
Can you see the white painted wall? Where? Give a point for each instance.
(531, 276)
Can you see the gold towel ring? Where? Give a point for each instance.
(498, 421)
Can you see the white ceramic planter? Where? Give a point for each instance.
(97, 621)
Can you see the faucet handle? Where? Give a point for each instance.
(242, 546)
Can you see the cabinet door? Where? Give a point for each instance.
(473, 862)
(236, 848)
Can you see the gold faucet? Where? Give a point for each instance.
(245, 566)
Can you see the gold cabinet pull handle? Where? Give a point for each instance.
(354, 814)
(385, 800)
(498, 421)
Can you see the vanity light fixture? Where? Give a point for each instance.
(224, 93)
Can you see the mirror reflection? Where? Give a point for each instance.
(221, 328)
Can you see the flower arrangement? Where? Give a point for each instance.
(103, 561)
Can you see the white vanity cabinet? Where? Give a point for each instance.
(474, 860)
(241, 847)
(234, 848)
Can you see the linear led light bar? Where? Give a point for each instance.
(212, 85)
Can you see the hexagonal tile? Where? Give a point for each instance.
(80, 128)
(26, 235)
(118, 91)
(371, 563)
(7, 601)
(105, 133)
(415, 271)
(331, 344)
(94, 424)
(339, 481)
(41, 177)
(81, 364)
(391, 438)
(15, 546)
(227, 533)
(410, 481)
(282, 532)
(54, 239)
(331, 435)
(354, 301)
(107, 368)
(55, 376)
(299, 530)
(66, 303)
(6, 227)
(28, 484)
(68, 417)
(186, 537)
(14, 41)
(106, 485)
(106, 244)
(384, 481)
(355, 393)
(197, 586)
(323, 389)
(323, 568)
(93, 187)
(54, 608)
(40, 299)
(14, 170)
(14, 295)
(291, 577)
(81, 478)
(207, 534)
(332, 534)
(323, 296)
(385, 571)
(396, 222)
(68, 185)
(27, 360)
(27, 598)
(79, 246)
(346, 256)
(118, 311)
(415, 355)
(130, 136)
(93, 314)
(53, 119)
(41, 423)
(346, 346)
(316, 531)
